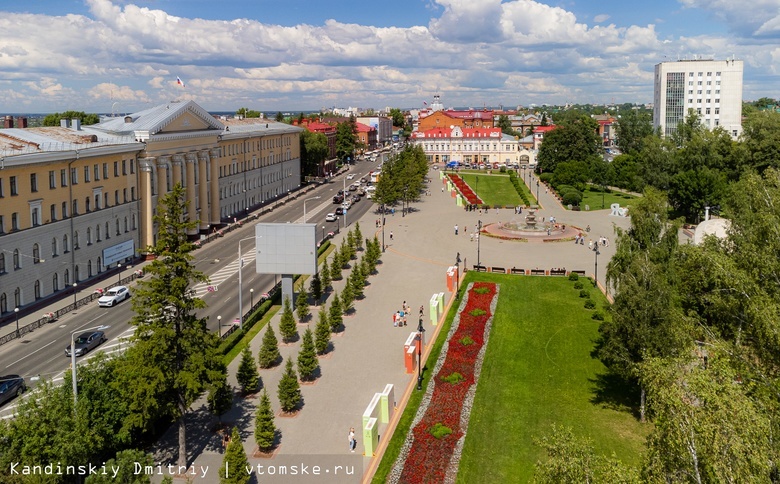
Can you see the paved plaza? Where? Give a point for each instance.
(369, 353)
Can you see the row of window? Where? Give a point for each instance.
(469, 147)
(237, 167)
(92, 237)
(255, 145)
(707, 101)
(709, 83)
(13, 182)
(709, 74)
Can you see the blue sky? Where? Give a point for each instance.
(99, 55)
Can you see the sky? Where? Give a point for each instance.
(125, 55)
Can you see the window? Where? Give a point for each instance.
(132, 167)
(717, 74)
(37, 289)
(116, 168)
(717, 101)
(700, 74)
(2, 225)
(63, 178)
(108, 233)
(55, 282)
(15, 221)
(86, 204)
(117, 227)
(709, 74)
(2, 193)
(36, 217)
(717, 110)
(65, 246)
(105, 200)
(124, 195)
(709, 83)
(3, 303)
(124, 167)
(97, 202)
(74, 176)
(89, 236)
(105, 170)
(116, 197)
(96, 170)
(66, 278)
(36, 254)
(97, 232)
(12, 182)
(76, 240)
(54, 247)
(18, 297)
(2, 264)
(52, 180)
(132, 193)
(17, 261)
(86, 174)
(126, 225)
(53, 212)
(699, 83)
(64, 209)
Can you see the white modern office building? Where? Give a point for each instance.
(711, 88)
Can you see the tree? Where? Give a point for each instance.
(690, 191)
(322, 332)
(324, 277)
(86, 119)
(336, 266)
(346, 139)
(307, 357)
(335, 314)
(314, 150)
(347, 296)
(265, 430)
(358, 281)
(358, 237)
(761, 136)
(576, 140)
(279, 117)
(173, 357)
(631, 130)
(269, 355)
(315, 287)
(234, 464)
(247, 113)
(220, 398)
(289, 391)
(506, 125)
(302, 303)
(247, 375)
(125, 463)
(398, 117)
(287, 327)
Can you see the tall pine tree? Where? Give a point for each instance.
(265, 430)
(347, 296)
(316, 288)
(358, 237)
(322, 332)
(302, 305)
(307, 357)
(247, 375)
(325, 277)
(336, 266)
(335, 314)
(234, 464)
(269, 351)
(289, 391)
(287, 326)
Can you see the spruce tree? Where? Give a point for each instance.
(269, 351)
(322, 332)
(220, 397)
(347, 296)
(265, 430)
(247, 375)
(302, 304)
(315, 288)
(358, 237)
(233, 470)
(351, 241)
(336, 266)
(287, 327)
(365, 268)
(345, 253)
(289, 391)
(325, 277)
(357, 281)
(335, 314)
(307, 357)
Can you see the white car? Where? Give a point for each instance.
(115, 295)
(331, 217)
(346, 205)
(350, 176)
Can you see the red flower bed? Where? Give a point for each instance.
(429, 457)
(465, 189)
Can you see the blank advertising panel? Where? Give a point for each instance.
(286, 248)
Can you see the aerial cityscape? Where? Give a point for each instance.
(216, 218)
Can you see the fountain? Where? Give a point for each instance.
(530, 229)
(530, 219)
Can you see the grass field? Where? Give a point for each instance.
(493, 189)
(538, 371)
(594, 199)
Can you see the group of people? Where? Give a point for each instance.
(400, 317)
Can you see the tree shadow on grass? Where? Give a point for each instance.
(613, 392)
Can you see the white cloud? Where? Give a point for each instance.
(601, 18)
(757, 17)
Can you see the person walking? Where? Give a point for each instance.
(352, 440)
(456, 229)
(391, 235)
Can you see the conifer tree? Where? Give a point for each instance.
(365, 268)
(302, 304)
(287, 326)
(233, 470)
(357, 281)
(307, 357)
(347, 296)
(325, 277)
(265, 430)
(336, 266)
(351, 240)
(247, 375)
(269, 351)
(322, 332)
(289, 391)
(335, 314)
(315, 287)
(220, 397)
(358, 237)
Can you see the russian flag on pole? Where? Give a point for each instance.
(179, 81)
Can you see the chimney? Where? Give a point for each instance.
(21, 122)
(76, 123)
(64, 123)
(8, 122)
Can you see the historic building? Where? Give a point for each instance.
(471, 145)
(77, 200)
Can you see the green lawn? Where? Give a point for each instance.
(594, 199)
(538, 371)
(493, 189)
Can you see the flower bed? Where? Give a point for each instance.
(428, 454)
(465, 190)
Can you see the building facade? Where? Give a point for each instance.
(471, 145)
(383, 126)
(77, 201)
(711, 88)
(449, 118)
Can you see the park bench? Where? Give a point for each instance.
(537, 272)
(515, 270)
(498, 269)
(557, 272)
(480, 268)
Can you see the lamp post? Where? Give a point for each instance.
(240, 282)
(219, 322)
(252, 297)
(74, 295)
(119, 272)
(323, 233)
(479, 231)
(537, 192)
(383, 227)
(16, 312)
(420, 331)
(457, 265)
(304, 206)
(73, 360)
(596, 266)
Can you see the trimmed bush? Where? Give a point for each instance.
(584, 293)
(439, 430)
(589, 304)
(573, 276)
(571, 197)
(598, 316)
(578, 285)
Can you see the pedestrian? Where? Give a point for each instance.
(405, 315)
(395, 319)
(442, 189)
(590, 244)
(352, 440)
(496, 210)
(401, 318)
(422, 310)
(391, 235)
(456, 229)
(405, 307)
(471, 237)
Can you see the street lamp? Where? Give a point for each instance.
(479, 231)
(420, 331)
(16, 312)
(73, 359)
(383, 227)
(252, 297)
(596, 267)
(74, 295)
(304, 206)
(219, 322)
(119, 273)
(323, 233)
(537, 192)
(240, 281)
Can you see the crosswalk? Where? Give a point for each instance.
(222, 275)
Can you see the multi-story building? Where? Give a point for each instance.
(606, 131)
(76, 200)
(471, 145)
(329, 131)
(450, 118)
(711, 88)
(367, 136)
(383, 126)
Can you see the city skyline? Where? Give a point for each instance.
(124, 56)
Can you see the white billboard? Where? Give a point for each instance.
(118, 252)
(285, 248)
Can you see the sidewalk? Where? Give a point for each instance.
(369, 354)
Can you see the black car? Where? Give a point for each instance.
(11, 386)
(340, 211)
(338, 199)
(87, 342)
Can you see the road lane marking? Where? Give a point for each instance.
(30, 354)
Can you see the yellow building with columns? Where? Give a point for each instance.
(76, 201)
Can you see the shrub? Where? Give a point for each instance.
(546, 177)
(466, 341)
(578, 285)
(502, 169)
(453, 378)
(584, 293)
(589, 304)
(571, 197)
(439, 430)
(477, 312)
(598, 316)
(573, 276)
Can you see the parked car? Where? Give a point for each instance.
(115, 295)
(346, 205)
(87, 342)
(331, 217)
(11, 386)
(355, 198)
(350, 176)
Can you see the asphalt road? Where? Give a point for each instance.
(41, 353)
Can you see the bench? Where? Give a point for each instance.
(498, 269)
(581, 273)
(480, 268)
(557, 272)
(515, 270)
(537, 272)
